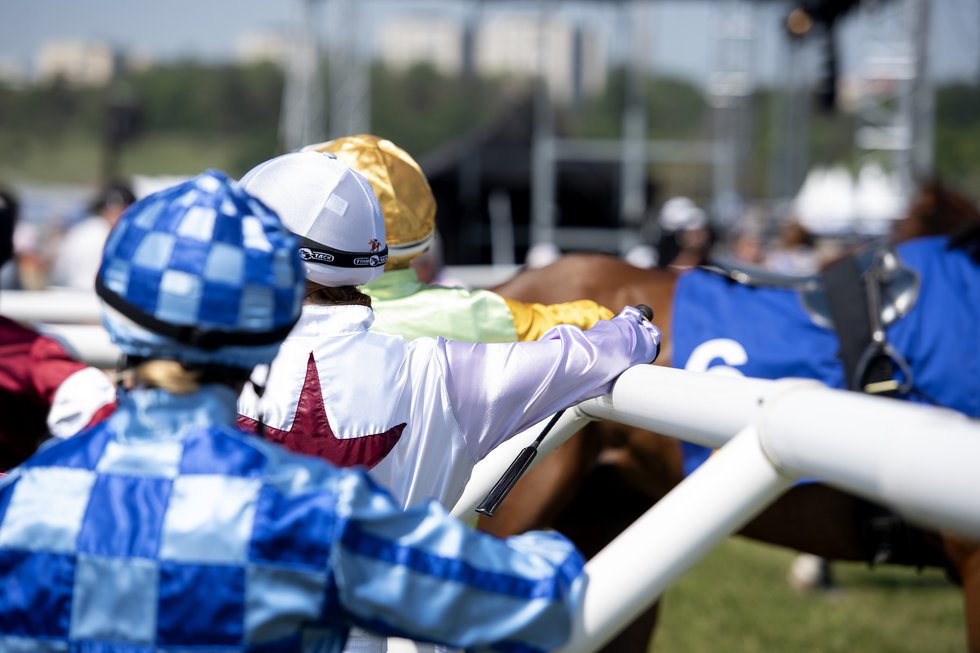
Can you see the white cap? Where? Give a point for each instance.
(331, 208)
(679, 213)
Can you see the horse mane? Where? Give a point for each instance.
(938, 210)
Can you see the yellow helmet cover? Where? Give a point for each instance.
(406, 199)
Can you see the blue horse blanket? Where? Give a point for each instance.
(766, 333)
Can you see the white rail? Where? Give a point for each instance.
(918, 460)
(61, 306)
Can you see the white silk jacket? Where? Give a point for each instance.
(421, 413)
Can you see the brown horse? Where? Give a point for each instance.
(601, 480)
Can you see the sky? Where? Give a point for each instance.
(681, 35)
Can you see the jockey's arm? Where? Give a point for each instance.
(497, 390)
(532, 320)
(424, 575)
(78, 395)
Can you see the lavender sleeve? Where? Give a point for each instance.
(498, 390)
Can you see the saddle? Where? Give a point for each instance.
(857, 297)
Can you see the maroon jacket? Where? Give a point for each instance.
(32, 366)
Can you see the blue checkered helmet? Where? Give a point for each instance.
(202, 273)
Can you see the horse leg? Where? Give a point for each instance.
(829, 523)
(965, 558)
(539, 497)
(604, 507)
(636, 468)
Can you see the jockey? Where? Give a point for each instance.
(43, 390)
(166, 528)
(418, 413)
(405, 306)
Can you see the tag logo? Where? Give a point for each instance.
(371, 261)
(375, 244)
(308, 254)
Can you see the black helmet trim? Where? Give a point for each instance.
(313, 252)
(207, 339)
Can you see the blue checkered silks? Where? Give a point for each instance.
(203, 273)
(124, 539)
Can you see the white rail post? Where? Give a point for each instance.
(721, 496)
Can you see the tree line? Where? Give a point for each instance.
(181, 117)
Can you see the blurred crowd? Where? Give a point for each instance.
(55, 251)
(63, 251)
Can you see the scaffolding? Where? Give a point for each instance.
(301, 118)
(894, 110)
(895, 107)
(634, 150)
(730, 91)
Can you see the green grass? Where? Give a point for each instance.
(737, 600)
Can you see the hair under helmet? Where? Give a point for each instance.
(406, 200)
(202, 273)
(333, 211)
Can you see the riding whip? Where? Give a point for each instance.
(502, 487)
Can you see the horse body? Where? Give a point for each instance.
(600, 481)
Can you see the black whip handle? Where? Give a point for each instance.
(502, 487)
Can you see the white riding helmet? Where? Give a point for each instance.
(406, 199)
(333, 211)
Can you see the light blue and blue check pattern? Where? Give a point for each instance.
(205, 253)
(200, 537)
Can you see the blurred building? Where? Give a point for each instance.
(406, 41)
(261, 46)
(85, 62)
(80, 63)
(570, 55)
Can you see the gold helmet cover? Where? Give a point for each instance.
(407, 203)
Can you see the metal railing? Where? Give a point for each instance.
(768, 434)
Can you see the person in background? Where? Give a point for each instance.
(678, 235)
(404, 305)
(9, 210)
(28, 270)
(78, 256)
(686, 238)
(166, 528)
(44, 392)
(795, 251)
